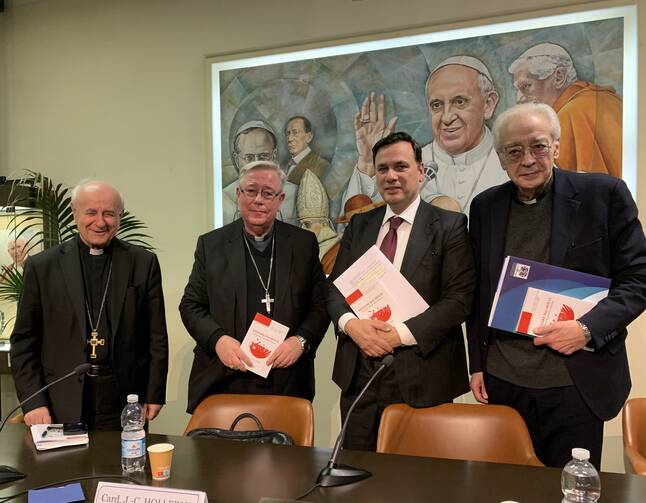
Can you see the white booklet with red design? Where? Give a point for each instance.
(262, 338)
(541, 307)
(376, 290)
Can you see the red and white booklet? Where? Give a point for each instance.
(262, 338)
(544, 308)
(374, 289)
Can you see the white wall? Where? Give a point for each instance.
(3, 96)
(118, 90)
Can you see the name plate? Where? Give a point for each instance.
(109, 492)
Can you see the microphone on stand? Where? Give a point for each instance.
(79, 370)
(335, 474)
(8, 474)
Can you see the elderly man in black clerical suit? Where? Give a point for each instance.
(574, 376)
(430, 247)
(93, 299)
(255, 264)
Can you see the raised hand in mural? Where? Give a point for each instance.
(370, 127)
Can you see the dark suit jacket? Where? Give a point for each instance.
(50, 335)
(595, 229)
(215, 304)
(439, 264)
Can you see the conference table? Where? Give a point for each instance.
(235, 472)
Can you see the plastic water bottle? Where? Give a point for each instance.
(133, 436)
(580, 481)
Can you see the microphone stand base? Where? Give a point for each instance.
(8, 474)
(339, 475)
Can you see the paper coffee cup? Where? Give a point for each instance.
(161, 458)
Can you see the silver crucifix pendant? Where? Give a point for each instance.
(267, 302)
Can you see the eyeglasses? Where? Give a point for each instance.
(267, 195)
(262, 156)
(516, 153)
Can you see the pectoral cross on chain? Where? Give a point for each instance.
(267, 302)
(94, 342)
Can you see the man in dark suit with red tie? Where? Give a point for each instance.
(430, 247)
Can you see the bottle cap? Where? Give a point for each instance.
(580, 454)
(133, 398)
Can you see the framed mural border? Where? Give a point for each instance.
(582, 13)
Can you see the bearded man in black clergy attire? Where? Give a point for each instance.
(256, 264)
(94, 299)
(430, 247)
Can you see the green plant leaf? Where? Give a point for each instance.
(10, 284)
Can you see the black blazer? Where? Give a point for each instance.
(50, 334)
(439, 264)
(595, 229)
(215, 304)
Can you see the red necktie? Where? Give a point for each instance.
(389, 244)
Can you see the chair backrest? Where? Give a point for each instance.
(288, 414)
(633, 423)
(493, 433)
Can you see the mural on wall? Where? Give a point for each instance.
(318, 118)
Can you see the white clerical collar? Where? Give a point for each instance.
(300, 156)
(96, 251)
(259, 239)
(477, 153)
(408, 215)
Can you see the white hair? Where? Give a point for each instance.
(543, 60)
(525, 109)
(86, 182)
(485, 85)
(265, 165)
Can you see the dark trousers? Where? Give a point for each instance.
(246, 383)
(364, 421)
(101, 403)
(557, 418)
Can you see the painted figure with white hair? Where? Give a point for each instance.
(460, 162)
(17, 250)
(590, 115)
(92, 299)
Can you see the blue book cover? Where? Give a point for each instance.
(71, 493)
(518, 275)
